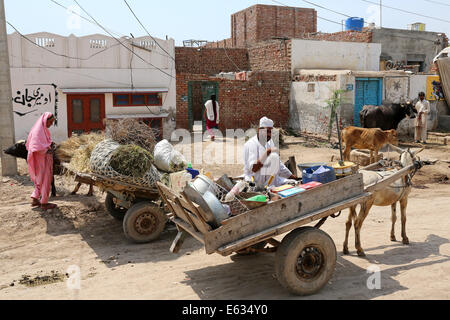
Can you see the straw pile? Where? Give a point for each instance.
(131, 161)
(77, 151)
(131, 131)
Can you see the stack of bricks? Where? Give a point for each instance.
(242, 103)
(210, 60)
(273, 55)
(262, 22)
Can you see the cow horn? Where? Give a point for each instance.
(397, 149)
(418, 151)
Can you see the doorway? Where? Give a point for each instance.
(198, 93)
(85, 113)
(368, 91)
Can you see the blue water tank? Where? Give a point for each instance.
(354, 24)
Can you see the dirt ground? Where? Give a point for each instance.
(37, 249)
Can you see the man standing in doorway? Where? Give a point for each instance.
(212, 116)
(423, 109)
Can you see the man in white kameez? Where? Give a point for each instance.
(256, 152)
(423, 109)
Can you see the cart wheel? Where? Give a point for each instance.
(305, 260)
(144, 222)
(115, 211)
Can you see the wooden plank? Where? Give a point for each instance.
(194, 209)
(291, 225)
(285, 210)
(390, 179)
(372, 166)
(186, 227)
(179, 207)
(178, 242)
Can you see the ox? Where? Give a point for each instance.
(386, 117)
(389, 196)
(372, 139)
(19, 150)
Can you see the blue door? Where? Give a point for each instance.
(368, 91)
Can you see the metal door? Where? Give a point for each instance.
(368, 91)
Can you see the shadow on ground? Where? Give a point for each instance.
(257, 274)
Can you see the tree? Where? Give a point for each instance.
(333, 104)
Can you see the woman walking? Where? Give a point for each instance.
(212, 116)
(40, 161)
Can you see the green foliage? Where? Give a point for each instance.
(131, 161)
(333, 104)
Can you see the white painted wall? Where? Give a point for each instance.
(309, 111)
(312, 54)
(31, 65)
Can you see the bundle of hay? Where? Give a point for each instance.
(77, 151)
(131, 131)
(131, 161)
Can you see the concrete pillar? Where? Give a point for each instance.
(9, 164)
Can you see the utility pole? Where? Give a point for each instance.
(9, 164)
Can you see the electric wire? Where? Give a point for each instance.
(159, 69)
(406, 11)
(142, 25)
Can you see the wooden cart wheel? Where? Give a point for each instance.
(115, 211)
(144, 222)
(305, 260)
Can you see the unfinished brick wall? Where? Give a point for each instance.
(210, 60)
(271, 56)
(347, 36)
(242, 103)
(263, 22)
(226, 43)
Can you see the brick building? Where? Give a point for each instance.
(264, 22)
(265, 92)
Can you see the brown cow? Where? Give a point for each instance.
(371, 139)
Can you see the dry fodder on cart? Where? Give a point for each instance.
(131, 131)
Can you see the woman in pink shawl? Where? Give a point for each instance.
(40, 161)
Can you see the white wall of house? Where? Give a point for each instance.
(313, 54)
(103, 63)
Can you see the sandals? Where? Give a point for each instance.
(48, 206)
(35, 203)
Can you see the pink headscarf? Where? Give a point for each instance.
(39, 138)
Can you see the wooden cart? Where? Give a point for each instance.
(138, 207)
(306, 257)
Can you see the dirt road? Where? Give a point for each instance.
(37, 249)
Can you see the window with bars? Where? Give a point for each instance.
(45, 42)
(137, 99)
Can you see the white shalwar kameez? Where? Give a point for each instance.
(420, 132)
(253, 150)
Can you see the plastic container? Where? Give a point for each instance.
(303, 166)
(193, 172)
(238, 188)
(354, 24)
(308, 175)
